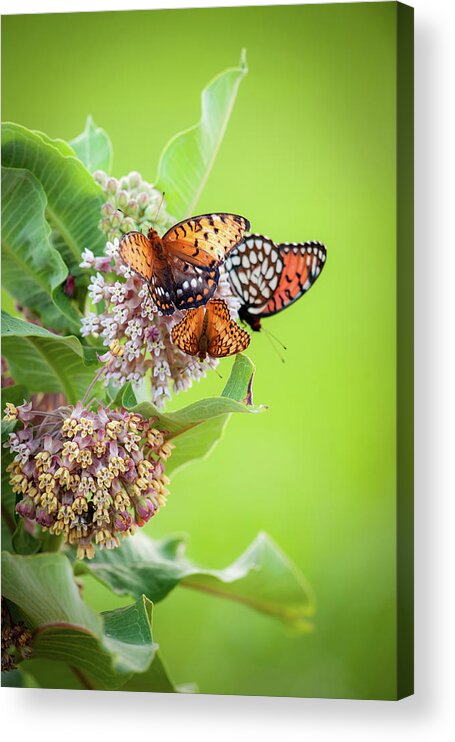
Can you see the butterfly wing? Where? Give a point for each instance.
(254, 269)
(136, 251)
(225, 337)
(269, 277)
(193, 286)
(186, 334)
(205, 241)
(303, 263)
(139, 254)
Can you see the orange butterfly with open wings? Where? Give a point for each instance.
(210, 330)
(181, 268)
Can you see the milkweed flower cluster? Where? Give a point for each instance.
(128, 315)
(92, 476)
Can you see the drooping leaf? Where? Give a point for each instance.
(196, 429)
(93, 147)
(104, 651)
(188, 157)
(73, 198)
(262, 578)
(32, 269)
(45, 362)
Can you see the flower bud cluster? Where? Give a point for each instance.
(92, 476)
(131, 203)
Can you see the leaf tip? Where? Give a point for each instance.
(243, 63)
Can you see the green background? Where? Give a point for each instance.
(309, 154)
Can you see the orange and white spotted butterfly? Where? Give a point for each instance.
(181, 268)
(210, 330)
(268, 277)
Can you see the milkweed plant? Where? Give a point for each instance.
(89, 450)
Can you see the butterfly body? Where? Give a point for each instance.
(181, 268)
(268, 277)
(249, 319)
(210, 331)
(203, 343)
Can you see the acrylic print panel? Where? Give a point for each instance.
(281, 564)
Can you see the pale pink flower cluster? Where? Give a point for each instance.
(129, 317)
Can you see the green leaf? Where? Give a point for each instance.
(262, 578)
(16, 394)
(196, 429)
(32, 269)
(155, 680)
(43, 587)
(239, 386)
(104, 650)
(74, 199)
(93, 147)
(50, 674)
(124, 397)
(45, 362)
(188, 157)
(47, 673)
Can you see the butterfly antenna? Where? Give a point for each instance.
(187, 368)
(270, 337)
(277, 340)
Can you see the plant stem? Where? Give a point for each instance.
(99, 374)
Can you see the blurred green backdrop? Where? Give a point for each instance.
(309, 154)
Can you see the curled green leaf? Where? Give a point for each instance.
(188, 158)
(93, 147)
